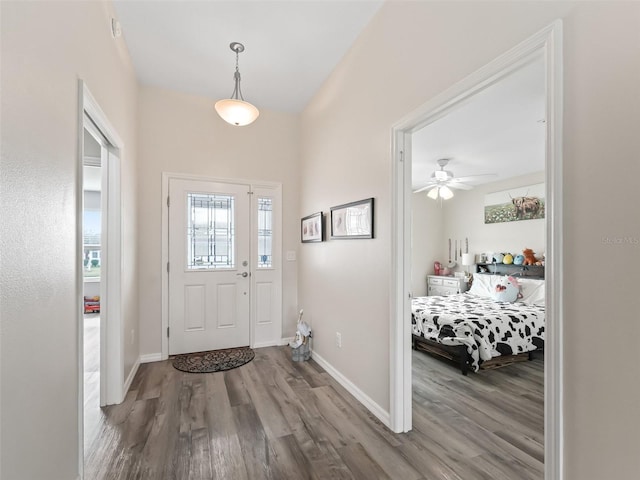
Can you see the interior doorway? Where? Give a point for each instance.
(493, 142)
(547, 42)
(104, 259)
(93, 214)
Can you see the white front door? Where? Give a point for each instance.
(209, 265)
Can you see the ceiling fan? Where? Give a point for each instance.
(442, 181)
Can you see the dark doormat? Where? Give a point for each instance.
(214, 360)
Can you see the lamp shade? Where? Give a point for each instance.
(467, 259)
(445, 192)
(433, 193)
(236, 112)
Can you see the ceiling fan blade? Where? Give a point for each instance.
(459, 186)
(426, 187)
(470, 178)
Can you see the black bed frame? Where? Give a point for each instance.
(458, 354)
(455, 353)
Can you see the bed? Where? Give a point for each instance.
(478, 329)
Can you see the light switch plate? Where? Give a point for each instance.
(291, 256)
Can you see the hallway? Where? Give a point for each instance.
(274, 418)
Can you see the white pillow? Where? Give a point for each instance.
(532, 291)
(484, 284)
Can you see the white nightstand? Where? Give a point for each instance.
(437, 285)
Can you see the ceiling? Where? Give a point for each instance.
(500, 130)
(291, 47)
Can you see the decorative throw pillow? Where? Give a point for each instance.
(507, 290)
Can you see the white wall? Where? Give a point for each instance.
(426, 236)
(464, 217)
(183, 134)
(344, 286)
(46, 47)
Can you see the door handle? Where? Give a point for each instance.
(243, 274)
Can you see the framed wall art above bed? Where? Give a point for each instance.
(523, 203)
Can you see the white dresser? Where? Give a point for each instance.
(437, 285)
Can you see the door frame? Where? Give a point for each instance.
(105, 225)
(111, 335)
(549, 42)
(277, 251)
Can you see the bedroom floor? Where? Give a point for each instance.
(274, 418)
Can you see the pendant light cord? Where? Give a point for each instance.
(236, 76)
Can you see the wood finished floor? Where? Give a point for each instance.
(276, 419)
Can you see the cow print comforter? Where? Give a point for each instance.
(487, 328)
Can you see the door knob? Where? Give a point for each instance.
(243, 274)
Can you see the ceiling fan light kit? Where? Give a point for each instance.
(445, 192)
(442, 181)
(235, 110)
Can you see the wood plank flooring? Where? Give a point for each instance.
(278, 419)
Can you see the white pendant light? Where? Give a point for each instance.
(236, 110)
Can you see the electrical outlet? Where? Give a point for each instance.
(133, 335)
(338, 339)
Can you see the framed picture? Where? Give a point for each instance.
(523, 203)
(352, 220)
(311, 228)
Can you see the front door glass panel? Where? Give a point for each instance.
(210, 232)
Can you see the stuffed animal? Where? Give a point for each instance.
(508, 290)
(529, 257)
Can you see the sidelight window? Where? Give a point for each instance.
(265, 232)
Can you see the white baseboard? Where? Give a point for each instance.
(277, 343)
(362, 397)
(130, 377)
(151, 357)
(264, 344)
